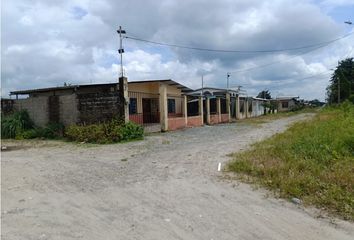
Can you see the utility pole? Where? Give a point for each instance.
(227, 84)
(202, 92)
(120, 31)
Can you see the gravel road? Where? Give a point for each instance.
(165, 187)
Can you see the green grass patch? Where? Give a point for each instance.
(313, 160)
(270, 116)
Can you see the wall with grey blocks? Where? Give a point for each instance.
(37, 108)
(68, 106)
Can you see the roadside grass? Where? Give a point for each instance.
(270, 117)
(313, 161)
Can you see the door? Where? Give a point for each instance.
(151, 110)
(146, 110)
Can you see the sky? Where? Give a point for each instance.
(49, 43)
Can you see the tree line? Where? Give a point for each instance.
(341, 86)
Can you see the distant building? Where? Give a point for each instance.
(286, 103)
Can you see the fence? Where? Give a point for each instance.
(144, 108)
(192, 106)
(175, 106)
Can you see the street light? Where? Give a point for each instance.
(120, 31)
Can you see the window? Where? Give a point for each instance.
(223, 106)
(132, 106)
(284, 104)
(212, 105)
(171, 105)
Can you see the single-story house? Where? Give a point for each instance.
(286, 103)
(155, 104)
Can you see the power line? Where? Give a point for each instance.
(238, 51)
(275, 62)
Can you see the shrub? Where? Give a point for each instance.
(14, 125)
(110, 132)
(51, 131)
(131, 131)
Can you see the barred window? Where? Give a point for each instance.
(133, 106)
(171, 105)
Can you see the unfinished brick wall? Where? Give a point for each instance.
(68, 108)
(53, 109)
(7, 106)
(37, 108)
(100, 107)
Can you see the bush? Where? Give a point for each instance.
(131, 131)
(51, 131)
(113, 131)
(14, 125)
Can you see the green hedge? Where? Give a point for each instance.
(110, 132)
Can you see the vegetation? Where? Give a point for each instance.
(312, 161)
(110, 132)
(51, 131)
(20, 126)
(342, 81)
(14, 125)
(264, 94)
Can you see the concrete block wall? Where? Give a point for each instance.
(99, 107)
(7, 106)
(37, 108)
(68, 107)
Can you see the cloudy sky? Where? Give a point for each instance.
(46, 43)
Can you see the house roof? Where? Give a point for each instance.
(167, 81)
(260, 99)
(287, 97)
(211, 91)
(41, 90)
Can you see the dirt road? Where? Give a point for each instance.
(165, 187)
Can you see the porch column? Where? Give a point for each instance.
(123, 89)
(185, 110)
(200, 105)
(237, 106)
(218, 108)
(163, 107)
(246, 107)
(228, 106)
(208, 110)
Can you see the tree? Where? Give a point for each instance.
(342, 82)
(264, 94)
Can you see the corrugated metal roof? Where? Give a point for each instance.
(41, 90)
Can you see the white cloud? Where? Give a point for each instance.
(47, 43)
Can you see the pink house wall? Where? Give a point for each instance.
(214, 118)
(195, 121)
(176, 123)
(225, 118)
